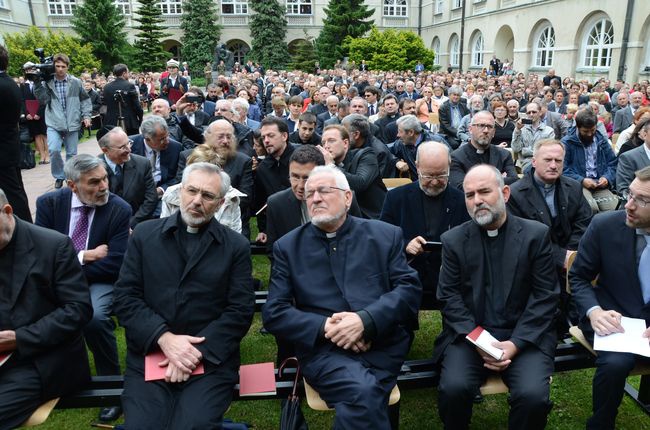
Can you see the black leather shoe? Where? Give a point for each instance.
(58, 183)
(110, 414)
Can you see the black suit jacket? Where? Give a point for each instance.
(50, 306)
(110, 227)
(607, 253)
(271, 176)
(404, 207)
(211, 295)
(9, 117)
(131, 108)
(446, 128)
(465, 157)
(168, 159)
(574, 213)
(530, 285)
(361, 169)
(320, 121)
(138, 187)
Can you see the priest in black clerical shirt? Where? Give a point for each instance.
(424, 210)
(497, 272)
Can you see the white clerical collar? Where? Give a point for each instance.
(330, 235)
(192, 230)
(493, 233)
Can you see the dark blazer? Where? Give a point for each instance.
(271, 176)
(9, 117)
(623, 119)
(404, 207)
(530, 285)
(50, 306)
(574, 213)
(321, 118)
(361, 169)
(131, 108)
(212, 295)
(555, 121)
(377, 280)
(168, 159)
(385, 158)
(465, 157)
(110, 227)
(608, 254)
(446, 128)
(628, 163)
(138, 188)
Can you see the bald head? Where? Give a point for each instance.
(432, 162)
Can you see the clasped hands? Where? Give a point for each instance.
(345, 329)
(509, 351)
(182, 355)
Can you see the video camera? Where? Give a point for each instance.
(118, 96)
(45, 68)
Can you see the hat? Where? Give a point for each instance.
(172, 63)
(28, 65)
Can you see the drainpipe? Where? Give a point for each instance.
(419, 18)
(31, 11)
(626, 39)
(462, 38)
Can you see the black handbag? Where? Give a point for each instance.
(27, 157)
(291, 417)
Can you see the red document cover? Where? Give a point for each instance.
(174, 96)
(4, 356)
(257, 379)
(153, 372)
(32, 107)
(483, 339)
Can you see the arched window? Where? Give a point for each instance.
(477, 50)
(454, 50)
(545, 47)
(435, 46)
(239, 49)
(395, 8)
(598, 44)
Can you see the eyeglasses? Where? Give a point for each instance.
(424, 177)
(208, 197)
(122, 148)
(627, 196)
(482, 126)
(322, 190)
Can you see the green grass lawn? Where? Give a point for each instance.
(570, 391)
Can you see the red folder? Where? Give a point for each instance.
(32, 107)
(174, 96)
(4, 356)
(257, 379)
(153, 372)
(483, 339)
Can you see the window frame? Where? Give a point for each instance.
(454, 50)
(66, 7)
(478, 56)
(603, 49)
(395, 8)
(176, 5)
(546, 35)
(299, 7)
(239, 7)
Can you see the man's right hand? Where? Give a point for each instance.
(180, 351)
(605, 322)
(415, 247)
(182, 104)
(98, 253)
(589, 183)
(402, 166)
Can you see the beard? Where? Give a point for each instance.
(489, 214)
(325, 220)
(194, 220)
(226, 153)
(433, 191)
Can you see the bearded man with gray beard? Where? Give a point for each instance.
(498, 273)
(185, 291)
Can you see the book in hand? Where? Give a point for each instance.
(257, 379)
(631, 340)
(4, 356)
(153, 372)
(484, 340)
(174, 96)
(31, 106)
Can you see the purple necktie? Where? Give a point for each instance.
(80, 233)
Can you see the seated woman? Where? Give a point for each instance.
(228, 214)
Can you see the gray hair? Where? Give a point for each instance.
(455, 90)
(431, 145)
(152, 124)
(339, 178)
(208, 168)
(240, 103)
(357, 122)
(359, 98)
(3, 198)
(81, 164)
(410, 122)
(106, 139)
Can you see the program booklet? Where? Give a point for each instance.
(631, 340)
(483, 339)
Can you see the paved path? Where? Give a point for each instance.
(39, 180)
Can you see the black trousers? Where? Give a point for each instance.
(196, 404)
(527, 377)
(20, 394)
(11, 182)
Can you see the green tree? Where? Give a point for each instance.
(389, 50)
(268, 27)
(148, 44)
(343, 18)
(21, 49)
(200, 32)
(99, 22)
(304, 57)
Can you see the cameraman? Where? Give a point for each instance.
(67, 106)
(122, 99)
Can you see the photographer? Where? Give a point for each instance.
(67, 107)
(528, 131)
(122, 102)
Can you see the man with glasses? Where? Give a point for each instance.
(527, 134)
(129, 175)
(424, 210)
(622, 289)
(185, 292)
(350, 308)
(481, 151)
